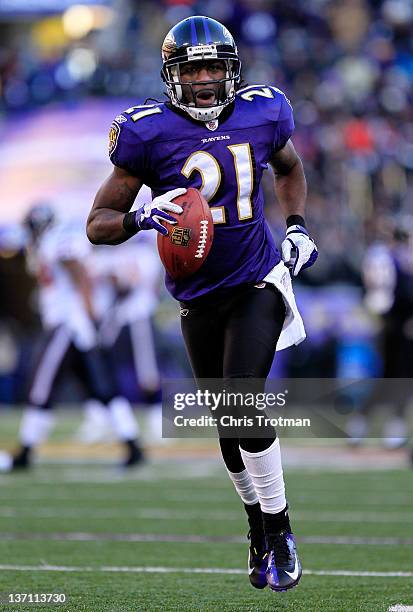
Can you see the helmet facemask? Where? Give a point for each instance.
(182, 93)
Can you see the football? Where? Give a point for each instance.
(185, 248)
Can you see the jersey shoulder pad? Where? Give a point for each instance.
(267, 100)
(271, 106)
(138, 123)
(130, 132)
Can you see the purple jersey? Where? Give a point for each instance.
(167, 149)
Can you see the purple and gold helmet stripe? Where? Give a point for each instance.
(194, 36)
(208, 37)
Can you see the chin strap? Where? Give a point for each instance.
(204, 114)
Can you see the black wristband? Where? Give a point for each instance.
(295, 220)
(129, 223)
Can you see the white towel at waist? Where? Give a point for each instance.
(293, 331)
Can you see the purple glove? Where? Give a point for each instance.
(150, 215)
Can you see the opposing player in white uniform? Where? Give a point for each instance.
(137, 289)
(387, 273)
(126, 283)
(56, 256)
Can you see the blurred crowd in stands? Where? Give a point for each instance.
(347, 68)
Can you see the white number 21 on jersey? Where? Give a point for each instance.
(208, 167)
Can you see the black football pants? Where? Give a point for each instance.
(56, 353)
(234, 336)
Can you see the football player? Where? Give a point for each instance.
(387, 272)
(54, 254)
(129, 318)
(239, 308)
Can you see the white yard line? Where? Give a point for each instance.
(189, 570)
(185, 514)
(79, 536)
(201, 496)
(112, 474)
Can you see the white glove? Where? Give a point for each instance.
(150, 215)
(298, 249)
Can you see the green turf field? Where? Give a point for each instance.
(171, 537)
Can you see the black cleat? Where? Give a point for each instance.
(257, 562)
(21, 459)
(257, 559)
(20, 463)
(284, 568)
(134, 456)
